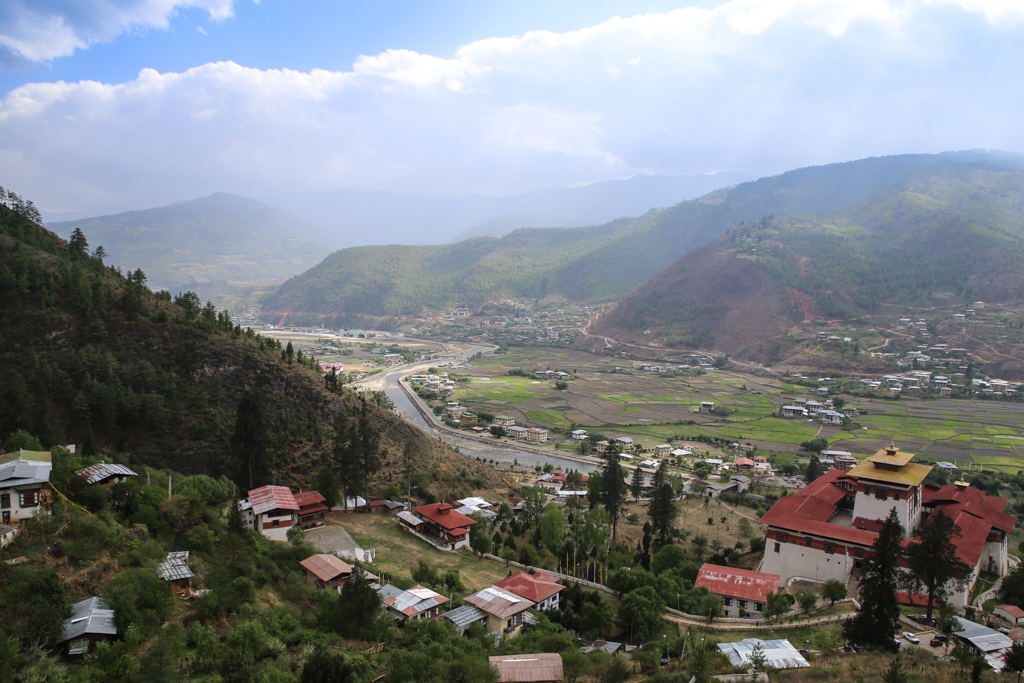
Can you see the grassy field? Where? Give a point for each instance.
(399, 552)
(655, 409)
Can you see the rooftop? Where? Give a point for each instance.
(89, 617)
(97, 473)
(267, 498)
(415, 600)
(500, 603)
(533, 668)
(536, 587)
(444, 516)
(737, 583)
(780, 654)
(326, 567)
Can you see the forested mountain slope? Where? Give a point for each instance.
(93, 357)
(600, 263)
(953, 233)
(222, 237)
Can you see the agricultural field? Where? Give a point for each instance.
(655, 409)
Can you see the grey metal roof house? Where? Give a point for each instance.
(91, 620)
(464, 617)
(104, 473)
(780, 654)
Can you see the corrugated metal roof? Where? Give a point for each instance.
(498, 602)
(92, 616)
(326, 567)
(415, 600)
(982, 637)
(464, 617)
(175, 567)
(267, 498)
(24, 472)
(538, 668)
(97, 473)
(737, 583)
(410, 518)
(780, 654)
(305, 498)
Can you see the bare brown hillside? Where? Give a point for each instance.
(711, 299)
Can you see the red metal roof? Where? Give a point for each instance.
(309, 509)
(267, 498)
(326, 567)
(536, 587)
(308, 498)
(915, 599)
(452, 520)
(1012, 610)
(737, 583)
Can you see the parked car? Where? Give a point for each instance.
(911, 637)
(938, 640)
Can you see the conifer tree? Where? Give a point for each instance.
(934, 565)
(613, 483)
(637, 484)
(662, 510)
(250, 441)
(880, 580)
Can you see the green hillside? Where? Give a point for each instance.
(953, 234)
(593, 264)
(217, 238)
(92, 357)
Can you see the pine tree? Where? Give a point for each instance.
(934, 565)
(613, 483)
(369, 449)
(880, 580)
(662, 510)
(78, 246)
(250, 441)
(637, 484)
(345, 456)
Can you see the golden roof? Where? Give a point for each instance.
(909, 475)
(889, 458)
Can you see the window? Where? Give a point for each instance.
(882, 494)
(867, 490)
(783, 538)
(858, 552)
(807, 542)
(830, 549)
(759, 607)
(276, 522)
(728, 602)
(5, 500)
(743, 604)
(510, 623)
(28, 499)
(777, 547)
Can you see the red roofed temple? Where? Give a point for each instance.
(825, 530)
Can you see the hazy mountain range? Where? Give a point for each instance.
(226, 238)
(593, 264)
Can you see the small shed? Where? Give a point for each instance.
(106, 474)
(464, 617)
(176, 571)
(91, 621)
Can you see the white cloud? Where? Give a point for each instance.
(746, 86)
(40, 31)
(200, 29)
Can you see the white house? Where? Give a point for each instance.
(24, 480)
(271, 510)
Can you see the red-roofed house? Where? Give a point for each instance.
(327, 571)
(540, 588)
(826, 529)
(542, 667)
(744, 464)
(439, 524)
(271, 510)
(1012, 613)
(745, 592)
(312, 510)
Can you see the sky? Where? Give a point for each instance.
(109, 105)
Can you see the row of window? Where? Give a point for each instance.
(830, 548)
(26, 499)
(742, 604)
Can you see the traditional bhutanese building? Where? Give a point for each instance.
(825, 530)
